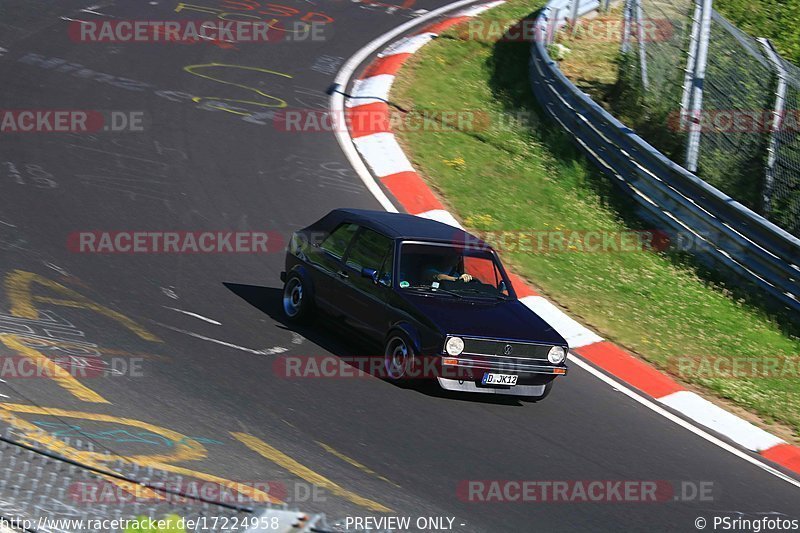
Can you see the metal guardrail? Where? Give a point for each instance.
(725, 232)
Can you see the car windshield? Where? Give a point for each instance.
(451, 271)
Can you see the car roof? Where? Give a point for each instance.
(405, 226)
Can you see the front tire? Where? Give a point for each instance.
(297, 302)
(398, 357)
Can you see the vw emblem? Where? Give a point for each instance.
(508, 349)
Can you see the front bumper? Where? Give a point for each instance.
(465, 374)
(478, 365)
(471, 386)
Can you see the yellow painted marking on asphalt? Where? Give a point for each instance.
(196, 71)
(255, 495)
(18, 287)
(188, 449)
(35, 434)
(74, 348)
(286, 462)
(51, 370)
(351, 461)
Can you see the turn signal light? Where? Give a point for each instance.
(559, 371)
(450, 361)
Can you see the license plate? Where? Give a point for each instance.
(499, 379)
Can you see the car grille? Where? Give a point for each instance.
(497, 348)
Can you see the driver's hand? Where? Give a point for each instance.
(465, 278)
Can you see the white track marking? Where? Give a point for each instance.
(56, 268)
(383, 154)
(477, 10)
(343, 137)
(718, 419)
(169, 293)
(193, 315)
(364, 90)
(440, 215)
(574, 333)
(265, 351)
(680, 421)
(407, 45)
(343, 78)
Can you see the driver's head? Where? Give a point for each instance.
(448, 263)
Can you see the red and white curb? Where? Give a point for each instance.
(381, 152)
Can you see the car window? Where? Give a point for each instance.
(454, 269)
(336, 243)
(368, 251)
(481, 269)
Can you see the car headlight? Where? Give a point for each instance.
(556, 355)
(454, 346)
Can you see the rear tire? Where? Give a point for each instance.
(297, 299)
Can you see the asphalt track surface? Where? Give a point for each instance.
(198, 168)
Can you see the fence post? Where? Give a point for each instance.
(554, 26)
(625, 45)
(777, 118)
(642, 45)
(696, 96)
(576, 4)
(690, 61)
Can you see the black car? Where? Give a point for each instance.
(436, 298)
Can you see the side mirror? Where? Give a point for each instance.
(370, 273)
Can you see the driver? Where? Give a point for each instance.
(446, 269)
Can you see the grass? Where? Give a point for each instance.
(526, 175)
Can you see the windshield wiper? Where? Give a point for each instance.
(430, 289)
(483, 294)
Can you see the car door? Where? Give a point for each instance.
(365, 303)
(329, 273)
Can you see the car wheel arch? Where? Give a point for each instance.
(305, 275)
(409, 332)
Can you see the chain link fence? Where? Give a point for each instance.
(729, 101)
(784, 193)
(43, 492)
(656, 101)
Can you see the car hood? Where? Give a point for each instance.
(500, 319)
